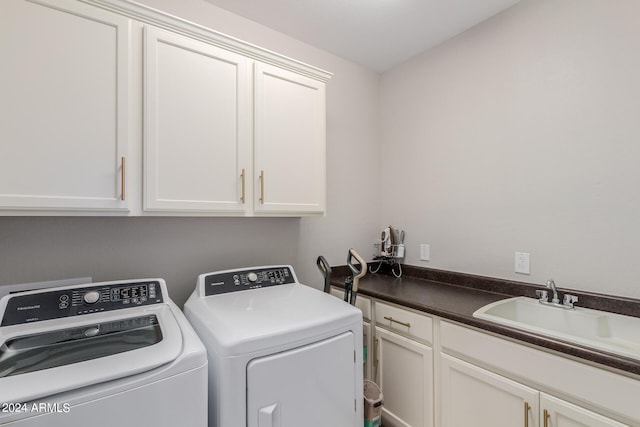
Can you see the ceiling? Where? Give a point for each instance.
(377, 34)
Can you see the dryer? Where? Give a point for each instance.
(102, 354)
(280, 353)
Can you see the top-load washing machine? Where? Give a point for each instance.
(280, 353)
(102, 355)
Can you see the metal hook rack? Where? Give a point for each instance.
(392, 259)
(389, 250)
(389, 260)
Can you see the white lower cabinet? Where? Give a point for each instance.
(503, 383)
(472, 396)
(558, 413)
(404, 365)
(434, 372)
(405, 375)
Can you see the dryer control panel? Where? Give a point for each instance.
(240, 280)
(66, 302)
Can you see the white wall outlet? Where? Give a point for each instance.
(425, 252)
(522, 263)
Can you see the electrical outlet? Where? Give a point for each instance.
(425, 252)
(522, 263)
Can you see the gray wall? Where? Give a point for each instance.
(523, 134)
(176, 249)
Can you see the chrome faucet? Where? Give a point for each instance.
(543, 296)
(552, 285)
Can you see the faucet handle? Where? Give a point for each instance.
(543, 295)
(569, 300)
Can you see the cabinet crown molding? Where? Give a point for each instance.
(148, 15)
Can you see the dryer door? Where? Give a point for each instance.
(312, 386)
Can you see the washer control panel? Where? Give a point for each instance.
(69, 302)
(240, 280)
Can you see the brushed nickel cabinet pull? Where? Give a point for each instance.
(375, 351)
(243, 178)
(262, 187)
(391, 319)
(526, 414)
(546, 418)
(122, 178)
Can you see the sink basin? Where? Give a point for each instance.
(601, 330)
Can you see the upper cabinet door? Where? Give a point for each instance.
(64, 80)
(289, 142)
(196, 126)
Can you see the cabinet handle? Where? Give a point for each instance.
(526, 414)
(375, 351)
(262, 187)
(243, 178)
(546, 418)
(122, 178)
(391, 319)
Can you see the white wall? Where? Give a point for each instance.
(178, 249)
(522, 134)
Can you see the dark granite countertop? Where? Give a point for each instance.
(456, 297)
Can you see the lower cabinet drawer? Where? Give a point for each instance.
(408, 322)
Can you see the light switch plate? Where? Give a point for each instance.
(522, 263)
(425, 252)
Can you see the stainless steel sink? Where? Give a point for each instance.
(601, 330)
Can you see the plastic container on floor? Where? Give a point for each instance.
(373, 400)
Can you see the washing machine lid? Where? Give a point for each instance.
(51, 356)
(264, 317)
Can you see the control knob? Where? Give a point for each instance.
(252, 277)
(91, 297)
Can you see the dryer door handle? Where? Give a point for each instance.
(269, 416)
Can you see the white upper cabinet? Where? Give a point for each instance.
(289, 141)
(64, 80)
(196, 126)
(209, 126)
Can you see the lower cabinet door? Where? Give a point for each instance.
(472, 396)
(405, 375)
(558, 413)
